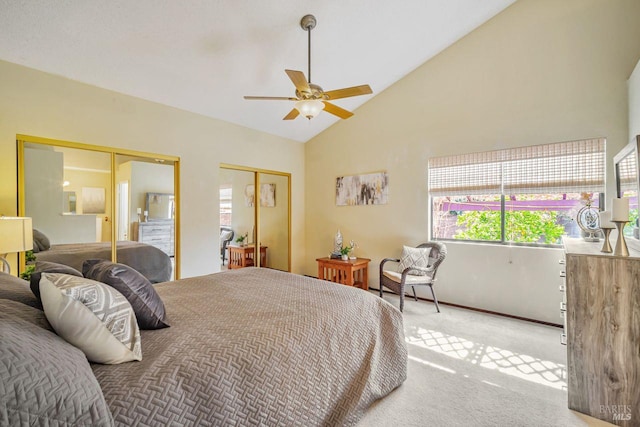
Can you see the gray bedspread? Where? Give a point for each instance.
(150, 261)
(260, 347)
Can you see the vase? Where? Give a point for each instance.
(345, 257)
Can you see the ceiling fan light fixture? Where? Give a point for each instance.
(309, 107)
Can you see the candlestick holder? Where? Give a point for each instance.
(621, 244)
(606, 246)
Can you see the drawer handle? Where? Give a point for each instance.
(562, 261)
(562, 288)
(563, 339)
(563, 274)
(563, 307)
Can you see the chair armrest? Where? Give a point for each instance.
(384, 261)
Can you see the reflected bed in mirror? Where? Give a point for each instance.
(160, 206)
(628, 182)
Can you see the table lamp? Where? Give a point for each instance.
(16, 235)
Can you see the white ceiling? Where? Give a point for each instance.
(204, 55)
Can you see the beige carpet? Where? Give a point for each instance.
(474, 369)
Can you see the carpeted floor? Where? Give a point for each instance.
(474, 369)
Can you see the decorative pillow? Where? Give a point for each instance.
(94, 317)
(40, 241)
(49, 267)
(45, 380)
(136, 288)
(16, 289)
(414, 257)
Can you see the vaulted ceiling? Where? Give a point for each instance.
(204, 55)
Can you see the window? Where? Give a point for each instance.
(528, 195)
(225, 205)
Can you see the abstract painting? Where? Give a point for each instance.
(369, 189)
(93, 200)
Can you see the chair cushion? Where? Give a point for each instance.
(409, 280)
(414, 257)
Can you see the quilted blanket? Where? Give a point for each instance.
(260, 347)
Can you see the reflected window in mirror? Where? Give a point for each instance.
(628, 184)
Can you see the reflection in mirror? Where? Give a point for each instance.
(628, 185)
(67, 193)
(71, 193)
(274, 219)
(237, 229)
(69, 200)
(145, 203)
(160, 206)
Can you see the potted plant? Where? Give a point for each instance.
(344, 251)
(241, 239)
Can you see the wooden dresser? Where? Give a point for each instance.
(160, 233)
(603, 331)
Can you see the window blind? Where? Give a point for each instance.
(564, 167)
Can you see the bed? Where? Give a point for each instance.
(150, 261)
(257, 347)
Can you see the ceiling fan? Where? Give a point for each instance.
(310, 98)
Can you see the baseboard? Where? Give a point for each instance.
(481, 310)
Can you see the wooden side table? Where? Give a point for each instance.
(242, 256)
(352, 272)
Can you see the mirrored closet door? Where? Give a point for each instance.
(257, 222)
(85, 198)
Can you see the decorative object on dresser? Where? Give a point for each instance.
(16, 235)
(620, 216)
(587, 219)
(602, 309)
(351, 272)
(417, 267)
(158, 233)
(606, 226)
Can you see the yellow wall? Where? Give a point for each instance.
(541, 71)
(40, 104)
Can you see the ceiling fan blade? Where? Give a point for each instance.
(299, 80)
(292, 115)
(273, 98)
(349, 91)
(337, 111)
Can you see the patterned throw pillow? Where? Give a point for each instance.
(414, 257)
(93, 316)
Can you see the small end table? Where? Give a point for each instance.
(352, 272)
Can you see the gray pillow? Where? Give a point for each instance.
(45, 380)
(16, 289)
(40, 241)
(136, 288)
(49, 267)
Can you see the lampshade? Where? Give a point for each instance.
(309, 107)
(16, 234)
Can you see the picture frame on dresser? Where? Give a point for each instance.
(626, 166)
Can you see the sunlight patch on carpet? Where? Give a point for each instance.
(522, 366)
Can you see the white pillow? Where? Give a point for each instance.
(92, 316)
(414, 257)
